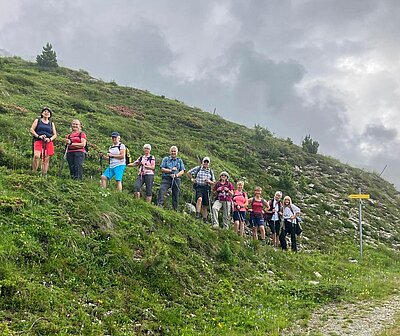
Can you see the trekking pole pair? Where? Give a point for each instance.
(176, 184)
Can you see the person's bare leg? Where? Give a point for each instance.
(119, 185)
(103, 181)
(35, 160)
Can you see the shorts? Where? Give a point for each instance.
(239, 216)
(256, 220)
(203, 192)
(274, 225)
(117, 171)
(48, 147)
(147, 180)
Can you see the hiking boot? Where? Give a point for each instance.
(198, 215)
(204, 220)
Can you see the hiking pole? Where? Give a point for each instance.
(242, 222)
(209, 204)
(101, 162)
(176, 184)
(62, 162)
(43, 155)
(225, 212)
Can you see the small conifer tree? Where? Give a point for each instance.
(48, 58)
(309, 145)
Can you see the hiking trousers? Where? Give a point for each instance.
(75, 162)
(289, 228)
(226, 212)
(166, 183)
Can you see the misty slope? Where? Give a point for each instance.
(104, 263)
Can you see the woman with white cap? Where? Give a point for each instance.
(224, 190)
(117, 163)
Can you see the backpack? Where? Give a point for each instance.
(268, 215)
(149, 159)
(264, 202)
(86, 148)
(244, 194)
(197, 172)
(128, 157)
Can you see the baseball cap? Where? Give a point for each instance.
(114, 134)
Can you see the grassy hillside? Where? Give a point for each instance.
(75, 259)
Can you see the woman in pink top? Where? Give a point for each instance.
(240, 202)
(258, 206)
(76, 142)
(147, 164)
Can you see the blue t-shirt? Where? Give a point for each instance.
(169, 163)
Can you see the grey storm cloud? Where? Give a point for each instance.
(328, 68)
(257, 87)
(380, 134)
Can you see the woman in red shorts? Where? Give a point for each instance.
(44, 132)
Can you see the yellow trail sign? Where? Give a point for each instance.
(364, 196)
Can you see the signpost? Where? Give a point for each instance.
(360, 196)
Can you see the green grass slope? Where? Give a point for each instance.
(78, 260)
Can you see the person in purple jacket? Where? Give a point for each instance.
(224, 192)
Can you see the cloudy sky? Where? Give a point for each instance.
(329, 68)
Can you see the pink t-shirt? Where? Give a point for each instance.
(76, 138)
(150, 162)
(239, 199)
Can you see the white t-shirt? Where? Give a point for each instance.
(290, 211)
(275, 208)
(115, 150)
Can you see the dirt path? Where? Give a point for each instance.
(350, 319)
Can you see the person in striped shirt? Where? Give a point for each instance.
(203, 178)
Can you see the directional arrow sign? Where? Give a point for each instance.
(366, 196)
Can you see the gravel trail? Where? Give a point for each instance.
(350, 319)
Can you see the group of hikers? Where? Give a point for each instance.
(282, 217)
